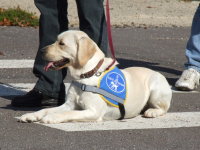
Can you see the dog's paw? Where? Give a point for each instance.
(51, 119)
(153, 113)
(30, 117)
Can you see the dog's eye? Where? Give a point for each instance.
(61, 43)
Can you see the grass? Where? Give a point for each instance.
(17, 17)
(190, 0)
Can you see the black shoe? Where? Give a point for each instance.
(35, 98)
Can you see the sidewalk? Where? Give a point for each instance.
(165, 13)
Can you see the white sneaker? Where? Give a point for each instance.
(189, 80)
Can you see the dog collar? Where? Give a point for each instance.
(93, 71)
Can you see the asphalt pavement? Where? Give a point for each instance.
(161, 49)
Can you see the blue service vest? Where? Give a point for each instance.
(114, 82)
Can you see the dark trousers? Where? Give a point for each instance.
(53, 20)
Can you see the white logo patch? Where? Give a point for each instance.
(115, 82)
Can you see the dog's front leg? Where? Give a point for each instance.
(67, 116)
(93, 107)
(94, 110)
(37, 116)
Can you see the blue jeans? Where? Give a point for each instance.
(193, 45)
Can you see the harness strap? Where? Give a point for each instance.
(94, 89)
(122, 111)
(89, 88)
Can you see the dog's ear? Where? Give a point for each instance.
(86, 49)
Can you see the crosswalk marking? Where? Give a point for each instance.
(174, 90)
(18, 88)
(14, 63)
(170, 120)
(22, 88)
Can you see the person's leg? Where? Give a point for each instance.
(189, 79)
(193, 45)
(93, 22)
(53, 20)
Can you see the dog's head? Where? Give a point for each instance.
(72, 48)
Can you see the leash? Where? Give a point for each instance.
(109, 34)
(121, 105)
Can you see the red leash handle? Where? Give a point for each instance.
(110, 34)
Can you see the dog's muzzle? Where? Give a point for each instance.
(56, 64)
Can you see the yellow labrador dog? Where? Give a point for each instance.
(86, 62)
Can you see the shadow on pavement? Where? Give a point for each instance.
(124, 63)
(22, 108)
(5, 89)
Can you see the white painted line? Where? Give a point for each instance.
(22, 88)
(174, 90)
(181, 92)
(28, 63)
(18, 88)
(170, 120)
(22, 63)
